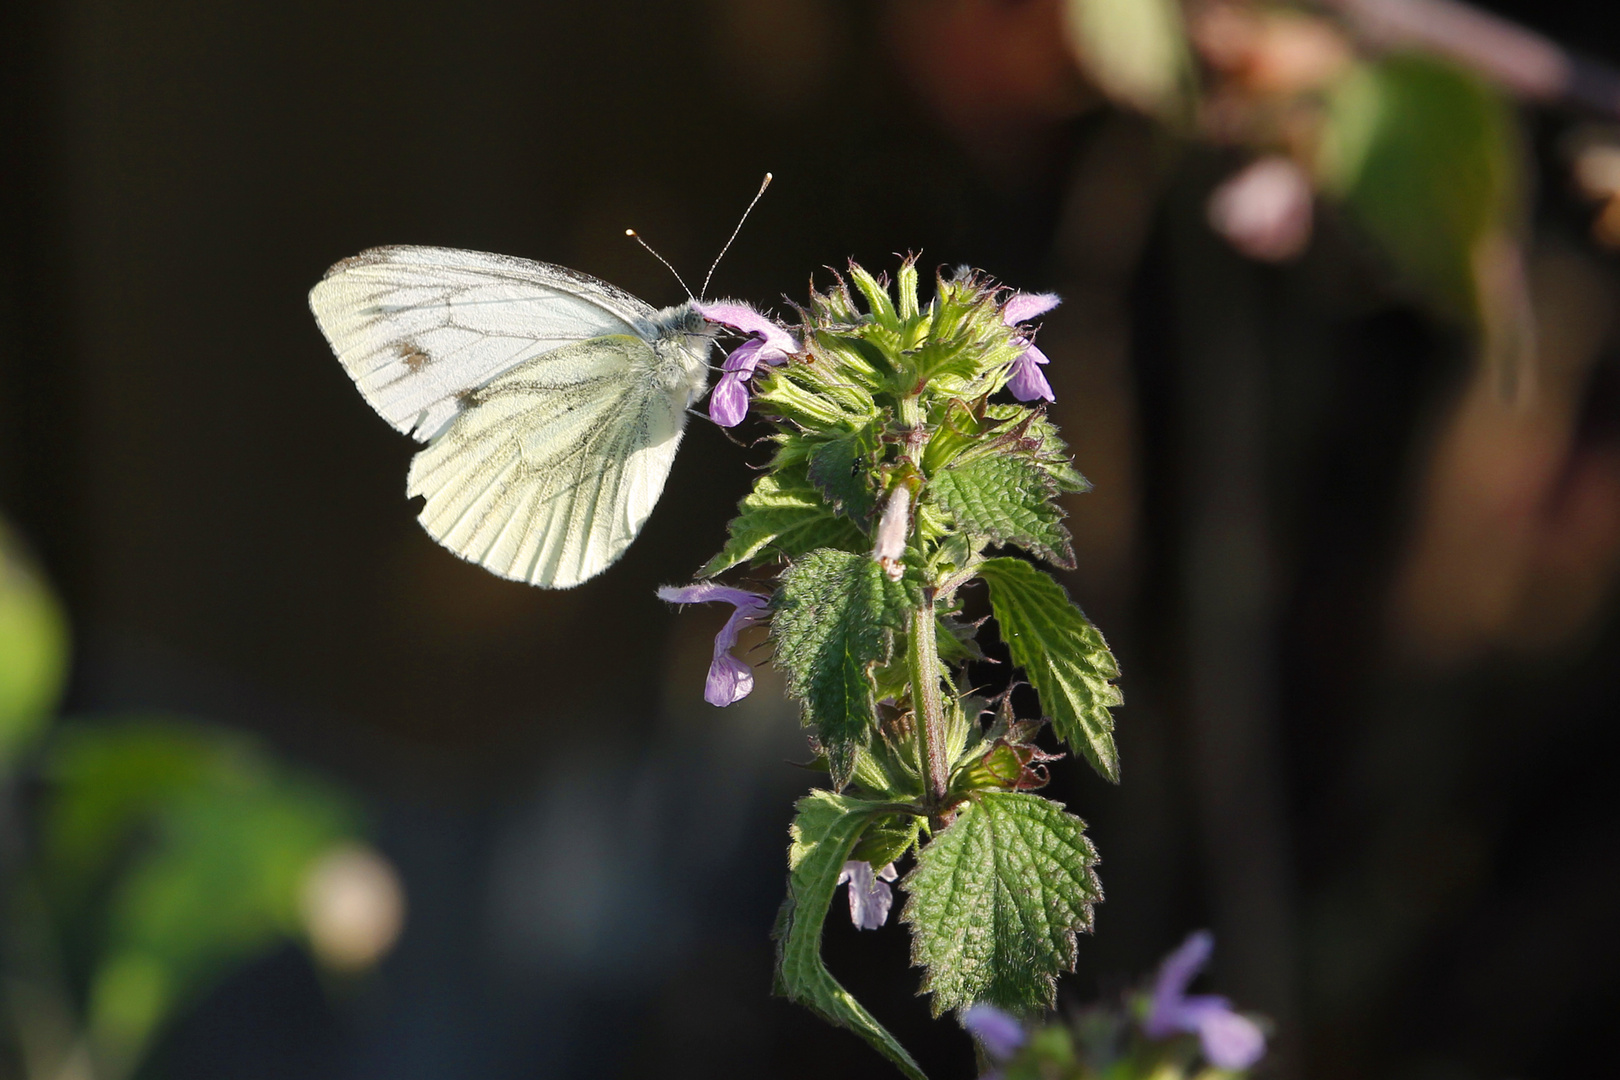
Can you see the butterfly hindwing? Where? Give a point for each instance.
(550, 484)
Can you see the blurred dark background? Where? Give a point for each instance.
(1362, 603)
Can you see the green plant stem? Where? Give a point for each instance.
(910, 412)
(922, 660)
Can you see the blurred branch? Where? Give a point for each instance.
(1518, 58)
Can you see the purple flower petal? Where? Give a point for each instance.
(1000, 1034)
(729, 680)
(740, 316)
(1229, 1040)
(1025, 379)
(1027, 382)
(728, 401)
(771, 344)
(1175, 974)
(744, 358)
(869, 898)
(1021, 307)
(703, 592)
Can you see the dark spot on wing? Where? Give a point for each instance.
(413, 358)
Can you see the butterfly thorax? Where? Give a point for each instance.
(680, 340)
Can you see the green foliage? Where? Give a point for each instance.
(1006, 500)
(1427, 157)
(995, 902)
(1065, 657)
(187, 849)
(893, 471)
(781, 519)
(824, 833)
(33, 649)
(840, 468)
(836, 617)
(1037, 438)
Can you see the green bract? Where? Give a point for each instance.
(893, 475)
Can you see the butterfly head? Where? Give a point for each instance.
(680, 340)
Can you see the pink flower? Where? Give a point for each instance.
(1026, 381)
(770, 344)
(730, 680)
(1230, 1041)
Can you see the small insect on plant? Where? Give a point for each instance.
(910, 449)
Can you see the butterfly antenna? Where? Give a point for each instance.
(763, 185)
(632, 234)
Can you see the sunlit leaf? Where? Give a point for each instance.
(824, 835)
(836, 617)
(1064, 655)
(996, 899)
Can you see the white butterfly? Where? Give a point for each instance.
(552, 403)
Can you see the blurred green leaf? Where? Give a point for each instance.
(1135, 51)
(186, 847)
(1427, 157)
(34, 649)
(996, 899)
(824, 833)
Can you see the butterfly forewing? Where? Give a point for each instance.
(418, 327)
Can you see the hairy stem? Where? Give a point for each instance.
(922, 659)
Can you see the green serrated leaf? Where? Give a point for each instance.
(1006, 499)
(995, 901)
(1064, 655)
(836, 617)
(839, 469)
(1047, 448)
(824, 834)
(781, 519)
